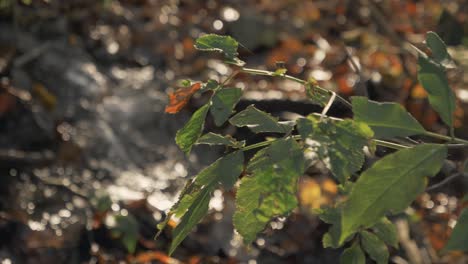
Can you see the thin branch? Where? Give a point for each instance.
(327, 107)
(445, 181)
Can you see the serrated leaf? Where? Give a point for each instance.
(441, 97)
(437, 46)
(224, 102)
(270, 190)
(189, 134)
(209, 85)
(338, 143)
(258, 121)
(353, 255)
(387, 232)
(387, 120)
(375, 247)
(194, 214)
(459, 238)
(390, 185)
(217, 139)
(193, 202)
(224, 171)
(224, 44)
(318, 96)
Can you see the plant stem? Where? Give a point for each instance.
(389, 144)
(294, 79)
(382, 143)
(447, 138)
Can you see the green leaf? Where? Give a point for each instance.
(441, 97)
(209, 85)
(339, 144)
(194, 199)
(194, 214)
(217, 139)
(224, 102)
(437, 46)
(189, 134)
(375, 247)
(127, 229)
(270, 190)
(387, 232)
(258, 121)
(331, 215)
(316, 95)
(224, 171)
(387, 120)
(390, 185)
(353, 255)
(224, 44)
(459, 238)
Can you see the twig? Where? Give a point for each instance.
(327, 107)
(28, 158)
(445, 181)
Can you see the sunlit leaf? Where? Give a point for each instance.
(179, 98)
(316, 95)
(441, 97)
(280, 72)
(353, 255)
(387, 232)
(390, 185)
(189, 134)
(193, 203)
(224, 102)
(224, 44)
(209, 85)
(340, 144)
(217, 139)
(194, 214)
(387, 120)
(437, 46)
(374, 247)
(259, 121)
(270, 190)
(459, 238)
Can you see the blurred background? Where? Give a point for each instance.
(88, 162)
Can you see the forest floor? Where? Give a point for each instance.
(88, 162)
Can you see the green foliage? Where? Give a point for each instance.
(190, 133)
(386, 231)
(353, 255)
(194, 200)
(341, 143)
(438, 48)
(374, 247)
(224, 102)
(268, 188)
(224, 44)
(441, 97)
(387, 120)
(459, 238)
(258, 121)
(217, 139)
(390, 185)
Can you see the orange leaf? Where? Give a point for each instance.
(179, 98)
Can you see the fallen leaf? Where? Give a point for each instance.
(179, 98)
